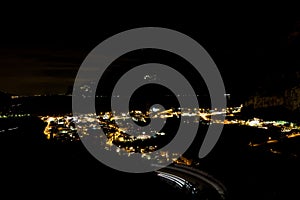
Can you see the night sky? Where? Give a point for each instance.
(42, 56)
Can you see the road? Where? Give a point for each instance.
(192, 180)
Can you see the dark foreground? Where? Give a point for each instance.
(31, 166)
(34, 167)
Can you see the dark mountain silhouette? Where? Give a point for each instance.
(276, 98)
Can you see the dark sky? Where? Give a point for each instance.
(41, 55)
